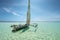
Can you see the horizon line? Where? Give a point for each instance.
(31, 21)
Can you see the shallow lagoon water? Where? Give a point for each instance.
(45, 31)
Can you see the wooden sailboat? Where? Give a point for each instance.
(19, 27)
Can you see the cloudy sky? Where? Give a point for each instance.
(41, 10)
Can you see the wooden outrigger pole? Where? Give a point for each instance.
(28, 14)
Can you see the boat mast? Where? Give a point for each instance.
(28, 14)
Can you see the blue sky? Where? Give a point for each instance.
(41, 10)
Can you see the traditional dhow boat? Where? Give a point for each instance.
(19, 27)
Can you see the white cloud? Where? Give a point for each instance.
(12, 12)
(46, 18)
(6, 9)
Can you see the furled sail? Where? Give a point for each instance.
(28, 14)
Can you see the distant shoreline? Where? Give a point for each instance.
(31, 21)
(12, 21)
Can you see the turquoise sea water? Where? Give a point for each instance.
(45, 31)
